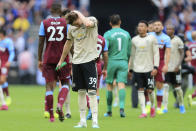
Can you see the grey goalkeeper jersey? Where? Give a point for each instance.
(144, 54)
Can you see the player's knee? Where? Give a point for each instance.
(92, 92)
(81, 91)
(166, 86)
(150, 91)
(141, 89)
(109, 87)
(121, 85)
(176, 86)
(49, 86)
(2, 80)
(159, 85)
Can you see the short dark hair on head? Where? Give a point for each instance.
(56, 8)
(2, 31)
(115, 19)
(71, 17)
(158, 21)
(65, 12)
(143, 21)
(151, 22)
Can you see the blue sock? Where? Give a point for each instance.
(98, 97)
(49, 93)
(5, 85)
(160, 92)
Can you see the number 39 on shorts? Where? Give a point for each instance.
(92, 81)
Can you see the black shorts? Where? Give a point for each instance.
(84, 76)
(144, 80)
(173, 78)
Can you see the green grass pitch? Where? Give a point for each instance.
(26, 114)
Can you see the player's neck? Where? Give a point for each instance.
(116, 26)
(143, 35)
(172, 36)
(3, 38)
(55, 15)
(159, 33)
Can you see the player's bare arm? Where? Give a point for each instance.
(85, 21)
(66, 49)
(8, 64)
(188, 56)
(181, 51)
(40, 50)
(156, 57)
(165, 67)
(105, 59)
(131, 59)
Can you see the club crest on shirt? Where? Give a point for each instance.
(142, 47)
(80, 36)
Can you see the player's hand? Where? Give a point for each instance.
(40, 65)
(130, 75)
(59, 65)
(165, 69)
(8, 64)
(177, 69)
(154, 72)
(104, 72)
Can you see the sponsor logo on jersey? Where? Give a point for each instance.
(55, 23)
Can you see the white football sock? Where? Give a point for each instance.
(67, 104)
(165, 95)
(142, 101)
(93, 105)
(2, 96)
(180, 95)
(82, 104)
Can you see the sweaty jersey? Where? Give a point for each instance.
(163, 42)
(119, 44)
(192, 48)
(101, 46)
(54, 29)
(6, 51)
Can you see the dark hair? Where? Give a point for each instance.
(151, 22)
(71, 17)
(2, 31)
(65, 12)
(158, 21)
(56, 8)
(144, 22)
(115, 19)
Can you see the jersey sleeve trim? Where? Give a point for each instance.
(41, 29)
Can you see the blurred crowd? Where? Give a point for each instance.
(181, 13)
(21, 20)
